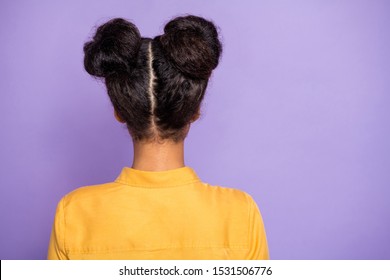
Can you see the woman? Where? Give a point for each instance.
(158, 208)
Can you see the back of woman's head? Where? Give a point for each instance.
(155, 85)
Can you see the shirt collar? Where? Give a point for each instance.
(157, 179)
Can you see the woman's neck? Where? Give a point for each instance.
(158, 156)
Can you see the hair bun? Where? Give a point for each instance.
(113, 49)
(192, 44)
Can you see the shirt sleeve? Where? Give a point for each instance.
(258, 246)
(56, 249)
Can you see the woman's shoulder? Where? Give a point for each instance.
(228, 195)
(88, 192)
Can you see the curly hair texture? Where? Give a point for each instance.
(155, 85)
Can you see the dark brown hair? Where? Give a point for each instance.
(155, 85)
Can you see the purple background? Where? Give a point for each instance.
(297, 115)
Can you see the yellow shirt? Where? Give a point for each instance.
(157, 215)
